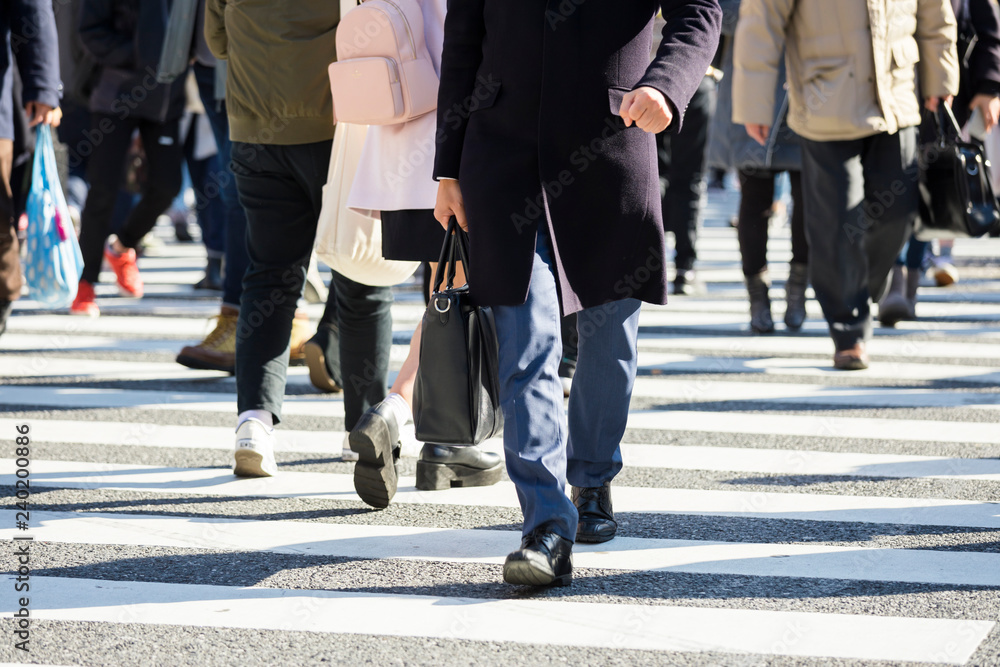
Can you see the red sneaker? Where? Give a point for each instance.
(126, 271)
(84, 303)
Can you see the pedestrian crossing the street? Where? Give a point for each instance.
(772, 511)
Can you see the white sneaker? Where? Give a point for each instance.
(254, 450)
(346, 453)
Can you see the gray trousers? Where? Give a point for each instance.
(860, 201)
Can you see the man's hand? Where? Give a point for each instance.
(932, 103)
(759, 133)
(648, 109)
(450, 203)
(39, 112)
(989, 105)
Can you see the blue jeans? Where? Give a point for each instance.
(541, 455)
(236, 258)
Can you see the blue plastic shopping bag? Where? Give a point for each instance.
(53, 264)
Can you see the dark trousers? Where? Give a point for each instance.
(105, 170)
(235, 243)
(682, 174)
(10, 261)
(756, 206)
(860, 202)
(281, 190)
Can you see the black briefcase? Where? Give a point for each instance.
(456, 394)
(956, 196)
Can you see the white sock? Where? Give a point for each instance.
(400, 408)
(260, 415)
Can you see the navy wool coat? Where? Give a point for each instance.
(527, 121)
(27, 41)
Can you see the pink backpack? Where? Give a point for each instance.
(383, 74)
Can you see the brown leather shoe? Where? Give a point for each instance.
(301, 333)
(851, 359)
(218, 351)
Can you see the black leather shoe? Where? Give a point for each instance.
(375, 439)
(544, 559)
(444, 467)
(597, 519)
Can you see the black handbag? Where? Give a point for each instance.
(956, 196)
(456, 394)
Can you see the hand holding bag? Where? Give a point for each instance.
(53, 263)
(456, 394)
(956, 195)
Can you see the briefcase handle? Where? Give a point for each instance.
(453, 250)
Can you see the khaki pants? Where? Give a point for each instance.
(10, 263)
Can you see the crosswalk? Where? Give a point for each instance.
(772, 510)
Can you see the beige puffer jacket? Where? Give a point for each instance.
(850, 63)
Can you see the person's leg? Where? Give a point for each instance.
(10, 263)
(105, 168)
(282, 210)
(598, 406)
(836, 227)
(532, 400)
(164, 154)
(756, 200)
(236, 258)
(800, 244)
(798, 268)
(686, 176)
(891, 201)
(365, 325)
(756, 205)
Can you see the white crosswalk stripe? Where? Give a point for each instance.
(770, 507)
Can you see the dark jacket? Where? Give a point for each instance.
(277, 88)
(125, 38)
(30, 28)
(981, 63)
(531, 96)
(729, 145)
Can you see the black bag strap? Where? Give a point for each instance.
(453, 250)
(947, 124)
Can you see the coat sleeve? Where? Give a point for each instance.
(215, 28)
(464, 31)
(36, 50)
(758, 50)
(984, 66)
(98, 35)
(936, 34)
(690, 39)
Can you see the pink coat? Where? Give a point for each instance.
(397, 164)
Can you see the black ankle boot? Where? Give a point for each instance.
(795, 296)
(760, 303)
(444, 467)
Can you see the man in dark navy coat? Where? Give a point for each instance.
(28, 42)
(547, 115)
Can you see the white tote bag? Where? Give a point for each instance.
(348, 242)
